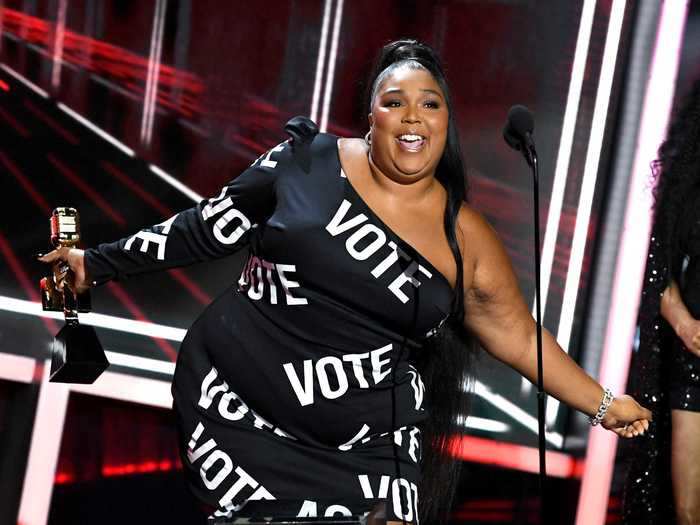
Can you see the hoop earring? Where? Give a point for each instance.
(368, 138)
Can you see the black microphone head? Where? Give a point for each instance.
(520, 119)
(519, 124)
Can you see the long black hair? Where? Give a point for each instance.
(445, 361)
(677, 174)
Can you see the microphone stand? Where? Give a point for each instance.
(531, 157)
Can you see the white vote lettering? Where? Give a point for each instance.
(341, 379)
(366, 240)
(368, 492)
(371, 248)
(332, 378)
(158, 238)
(409, 494)
(254, 284)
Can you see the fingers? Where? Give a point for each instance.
(624, 432)
(638, 427)
(696, 344)
(633, 429)
(57, 254)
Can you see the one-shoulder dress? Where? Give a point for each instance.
(294, 390)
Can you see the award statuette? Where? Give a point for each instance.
(76, 355)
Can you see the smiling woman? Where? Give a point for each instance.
(329, 379)
(408, 122)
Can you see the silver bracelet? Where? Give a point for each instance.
(603, 408)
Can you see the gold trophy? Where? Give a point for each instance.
(76, 354)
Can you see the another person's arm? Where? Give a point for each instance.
(213, 228)
(498, 316)
(686, 327)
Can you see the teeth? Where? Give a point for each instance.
(410, 138)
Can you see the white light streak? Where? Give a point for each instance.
(561, 170)
(16, 368)
(321, 60)
(631, 259)
(480, 423)
(588, 184)
(141, 390)
(44, 448)
(150, 96)
(515, 412)
(58, 44)
(95, 129)
(99, 320)
(188, 192)
(568, 130)
(331, 66)
(31, 85)
(140, 363)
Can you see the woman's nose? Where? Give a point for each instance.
(410, 116)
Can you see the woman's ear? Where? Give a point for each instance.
(370, 119)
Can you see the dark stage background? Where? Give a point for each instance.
(130, 110)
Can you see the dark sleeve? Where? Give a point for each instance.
(214, 228)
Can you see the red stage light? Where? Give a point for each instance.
(509, 455)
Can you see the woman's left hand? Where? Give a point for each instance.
(626, 417)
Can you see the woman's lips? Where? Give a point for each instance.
(411, 143)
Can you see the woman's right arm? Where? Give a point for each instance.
(686, 327)
(214, 228)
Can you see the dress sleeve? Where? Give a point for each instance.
(214, 228)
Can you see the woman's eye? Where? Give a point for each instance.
(392, 103)
(432, 104)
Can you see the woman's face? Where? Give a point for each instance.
(408, 124)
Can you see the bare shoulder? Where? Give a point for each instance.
(486, 261)
(477, 232)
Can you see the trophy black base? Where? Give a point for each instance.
(77, 355)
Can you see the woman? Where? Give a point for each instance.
(669, 355)
(366, 262)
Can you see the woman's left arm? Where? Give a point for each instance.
(500, 319)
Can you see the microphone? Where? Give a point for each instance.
(517, 133)
(518, 130)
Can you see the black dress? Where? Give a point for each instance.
(685, 366)
(665, 376)
(294, 390)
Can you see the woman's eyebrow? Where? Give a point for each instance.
(432, 91)
(401, 91)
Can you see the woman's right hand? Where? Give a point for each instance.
(689, 333)
(74, 259)
(626, 417)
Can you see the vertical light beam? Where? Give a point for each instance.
(321, 60)
(150, 96)
(57, 56)
(561, 170)
(631, 260)
(588, 184)
(331, 66)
